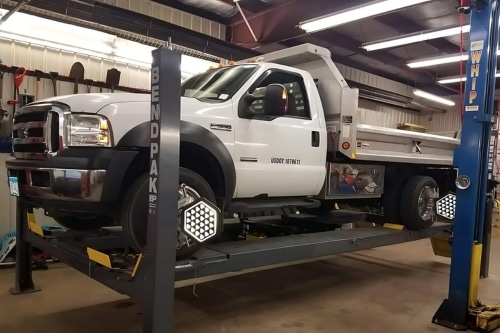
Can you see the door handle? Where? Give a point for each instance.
(315, 139)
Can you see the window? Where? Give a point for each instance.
(298, 105)
(218, 84)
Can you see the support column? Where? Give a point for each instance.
(163, 192)
(23, 278)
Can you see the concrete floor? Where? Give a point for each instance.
(391, 289)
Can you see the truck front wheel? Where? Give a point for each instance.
(134, 212)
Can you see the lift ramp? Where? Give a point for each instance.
(103, 255)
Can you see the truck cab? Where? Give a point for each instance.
(277, 151)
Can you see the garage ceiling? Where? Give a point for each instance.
(275, 24)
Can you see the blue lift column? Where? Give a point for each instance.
(462, 310)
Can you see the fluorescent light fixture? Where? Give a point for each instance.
(415, 38)
(432, 97)
(438, 60)
(456, 79)
(453, 79)
(446, 59)
(356, 13)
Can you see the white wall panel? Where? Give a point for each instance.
(372, 113)
(44, 59)
(443, 122)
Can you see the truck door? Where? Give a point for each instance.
(283, 156)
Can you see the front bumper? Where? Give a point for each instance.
(83, 179)
(60, 184)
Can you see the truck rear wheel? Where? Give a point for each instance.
(417, 205)
(134, 213)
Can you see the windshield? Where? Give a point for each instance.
(218, 84)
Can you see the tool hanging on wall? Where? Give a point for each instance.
(77, 73)
(113, 78)
(53, 77)
(4, 114)
(89, 83)
(38, 75)
(19, 74)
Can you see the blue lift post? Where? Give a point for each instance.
(462, 309)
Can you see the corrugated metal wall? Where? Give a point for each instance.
(377, 114)
(443, 122)
(372, 113)
(47, 59)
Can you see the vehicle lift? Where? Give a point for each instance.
(462, 309)
(149, 278)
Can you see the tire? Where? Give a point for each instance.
(409, 208)
(134, 212)
(84, 224)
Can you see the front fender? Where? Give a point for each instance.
(140, 136)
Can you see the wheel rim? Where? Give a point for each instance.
(425, 204)
(187, 195)
(138, 231)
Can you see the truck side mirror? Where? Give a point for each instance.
(276, 100)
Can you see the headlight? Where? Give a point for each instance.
(89, 130)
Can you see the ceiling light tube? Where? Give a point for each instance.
(438, 60)
(452, 79)
(446, 59)
(434, 98)
(415, 38)
(356, 13)
(456, 79)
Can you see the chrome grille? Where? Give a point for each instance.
(38, 131)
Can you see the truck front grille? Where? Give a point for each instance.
(38, 132)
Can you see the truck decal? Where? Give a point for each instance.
(221, 127)
(155, 130)
(282, 160)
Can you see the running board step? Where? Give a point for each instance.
(268, 205)
(339, 216)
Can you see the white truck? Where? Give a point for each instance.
(280, 131)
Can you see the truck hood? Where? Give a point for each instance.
(92, 103)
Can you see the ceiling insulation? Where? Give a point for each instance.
(218, 7)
